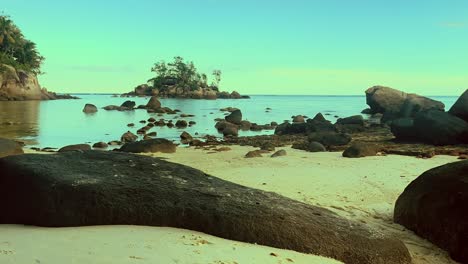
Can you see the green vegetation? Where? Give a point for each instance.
(17, 51)
(182, 75)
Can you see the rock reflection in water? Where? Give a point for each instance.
(19, 120)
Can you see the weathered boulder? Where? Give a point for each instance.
(279, 153)
(19, 85)
(76, 147)
(128, 104)
(109, 188)
(90, 108)
(235, 95)
(181, 124)
(9, 147)
(400, 104)
(254, 154)
(235, 117)
(360, 149)
(111, 107)
(435, 206)
(330, 138)
(231, 131)
(352, 120)
(153, 103)
(245, 125)
(128, 137)
(150, 146)
(185, 138)
(311, 146)
(101, 145)
(440, 128)
(317, 124)
(298, 119)
(460, 108)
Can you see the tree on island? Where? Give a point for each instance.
(16, 50)
(183, 75)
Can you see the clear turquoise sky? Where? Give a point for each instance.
(262, 47)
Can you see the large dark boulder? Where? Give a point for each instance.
(460, 108)
(129, 104)
(435, 206)
(150, 146)
(108, 188)
(235, 117)
(440, 128)
(330, 138)
(397, 103)
(9, 147)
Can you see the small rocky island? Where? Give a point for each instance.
(180, 79)
(20, 64)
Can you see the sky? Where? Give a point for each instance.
(336, 47)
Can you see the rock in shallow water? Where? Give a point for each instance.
(150, 146)
(108, 188)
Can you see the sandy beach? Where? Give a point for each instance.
(362, 189)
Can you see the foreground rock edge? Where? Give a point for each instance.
(93, 188)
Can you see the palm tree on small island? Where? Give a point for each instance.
(181, 75)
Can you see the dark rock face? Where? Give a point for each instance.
(150, 146)
(359, 150)
(128, 137)
(435, 206)
(128, 104)
(77, 147)
(9, 147)
(440, 128)
(403, 129)
(460, 108)
(398, 104)
(235, 117)
(433, 127)
(330, 138)
(90, 108)
(108, 188)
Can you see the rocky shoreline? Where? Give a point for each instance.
(197, 196)
(19, 85)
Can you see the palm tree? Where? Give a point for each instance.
(10, 35)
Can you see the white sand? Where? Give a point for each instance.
(134, 244)
(362, 189)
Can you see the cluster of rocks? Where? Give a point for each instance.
(172, 91)
(434, 126)
(233, 122)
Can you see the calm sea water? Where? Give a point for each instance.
(62, 122)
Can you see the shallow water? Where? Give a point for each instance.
(62, 122)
